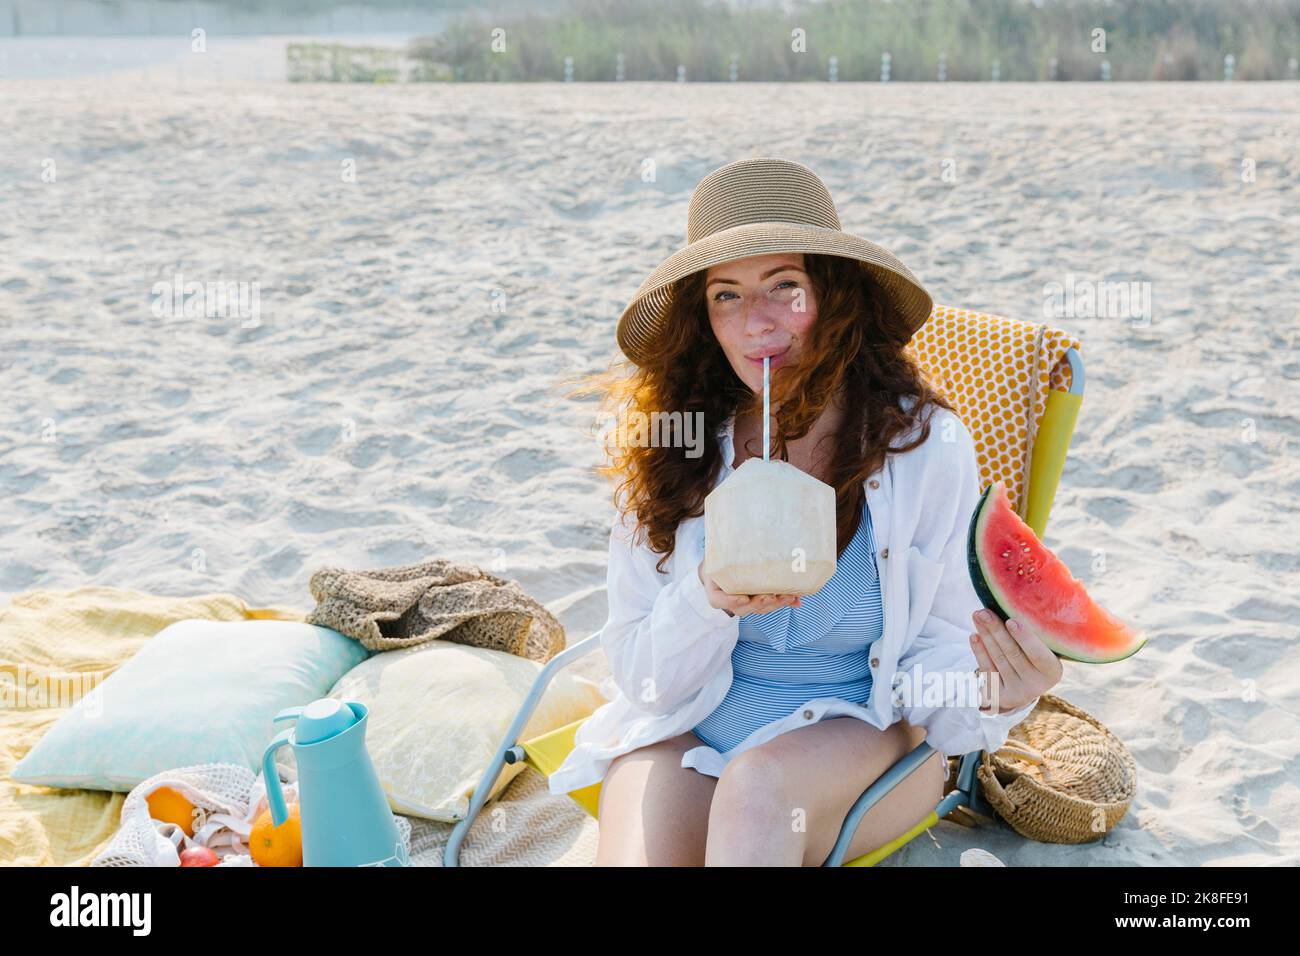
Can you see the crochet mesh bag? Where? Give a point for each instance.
(227, 798)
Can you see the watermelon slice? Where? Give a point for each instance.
(1017, 576)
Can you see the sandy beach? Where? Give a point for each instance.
(412, 269)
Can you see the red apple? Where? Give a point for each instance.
(198, 856)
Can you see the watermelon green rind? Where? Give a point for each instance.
(986, 596)
(1059, 596)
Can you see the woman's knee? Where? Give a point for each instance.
(651, 811)
(754, 797)
(764, 792)
(629, 774)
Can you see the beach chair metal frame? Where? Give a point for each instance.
(546, 753)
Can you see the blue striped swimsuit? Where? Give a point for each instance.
(787, 657)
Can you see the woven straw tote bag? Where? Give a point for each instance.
(1061, 777)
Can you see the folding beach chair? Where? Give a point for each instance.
(1017, 386)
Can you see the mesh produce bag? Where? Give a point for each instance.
(227, 798)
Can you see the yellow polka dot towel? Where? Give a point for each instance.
(996, 372)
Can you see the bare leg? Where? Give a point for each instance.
(652, 812)
(782, 803)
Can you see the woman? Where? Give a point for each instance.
(742, 728)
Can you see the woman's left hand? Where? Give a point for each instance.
(1023, 666)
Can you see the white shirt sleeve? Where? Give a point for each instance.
(662, 638)
(954, 724)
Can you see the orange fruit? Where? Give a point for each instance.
(277, 846)
(168, 806)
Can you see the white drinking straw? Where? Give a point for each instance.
(766, 361)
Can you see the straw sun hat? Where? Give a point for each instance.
(756, 207)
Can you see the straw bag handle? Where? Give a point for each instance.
(1023, 750)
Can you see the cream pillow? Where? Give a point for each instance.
(438, 711)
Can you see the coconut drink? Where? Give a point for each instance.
(770, 528)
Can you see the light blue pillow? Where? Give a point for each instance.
(198, 692)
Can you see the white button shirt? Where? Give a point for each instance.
(669, 650)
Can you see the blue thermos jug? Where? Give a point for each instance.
(346, 820)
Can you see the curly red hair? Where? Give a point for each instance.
(856, 342)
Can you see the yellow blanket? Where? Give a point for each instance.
(54, 646)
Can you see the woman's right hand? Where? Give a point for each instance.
(735, 604)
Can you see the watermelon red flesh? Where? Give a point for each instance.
(1018, 577)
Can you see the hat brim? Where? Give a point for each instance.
(640, 322)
